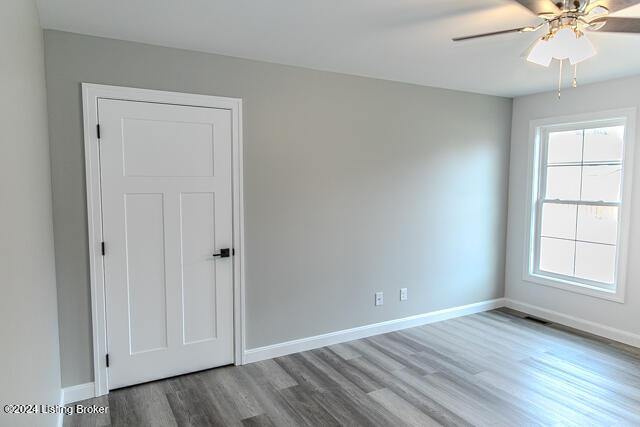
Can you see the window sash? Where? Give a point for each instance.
(580, 202)
(578, 241)
(587, 163)
(541, 200)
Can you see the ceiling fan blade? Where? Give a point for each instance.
(540, 7)
(613, 5)
(618, 25)
(495, 33)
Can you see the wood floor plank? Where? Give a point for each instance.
(494, 368)
(186, 413)
(293, 365)
(437, 357)
(611, 368)
(90, 420)
(403, 359)
(568, 338)
(236, 388)
(488, 395)
(551, 407)
(468, 407)
(409, 392)
(355, 376)
(614, 382)
(275, 407)
(597, 395)
(258, 421)
(357, 410)
(553, 389)
(489, 336)
(405, 411)
(342, 392)
(345, 351)
(146, 404)
(221, 403)
(301, 400)
(374, 354)
(270, 371)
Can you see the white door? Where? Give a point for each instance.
(167, 209)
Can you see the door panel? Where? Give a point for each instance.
(144, 260)
(198, 272)
(169, 148)
(167, 208)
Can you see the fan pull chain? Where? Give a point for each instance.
(575, 76)
(560, 81)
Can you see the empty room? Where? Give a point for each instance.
(319, 213)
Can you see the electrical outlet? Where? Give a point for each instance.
(403, 294)
(379, 298)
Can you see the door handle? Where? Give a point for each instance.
(224, 253)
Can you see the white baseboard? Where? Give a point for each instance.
(310, 343)
(575, 322)
(78, 392)
(86, 391)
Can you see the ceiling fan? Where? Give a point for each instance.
(566, 22)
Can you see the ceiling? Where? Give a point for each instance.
(402, 40)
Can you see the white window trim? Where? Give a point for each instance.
(618, 292)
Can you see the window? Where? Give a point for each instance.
(577, 239)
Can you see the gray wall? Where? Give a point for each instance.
(604, 96)
(29, 355)
(352, 185)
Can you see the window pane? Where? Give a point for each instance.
(559, 221)
(603, 144)
(563, 182)
(601, 183)
(598, 224)
(556, 256)
(596, 262)
(564, 147)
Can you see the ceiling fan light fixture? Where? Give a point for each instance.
(565, 43)
(541, 52)
(582, 50)
(566, 21)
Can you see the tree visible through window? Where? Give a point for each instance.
(578, 203)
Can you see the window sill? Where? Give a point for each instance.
(615, 295)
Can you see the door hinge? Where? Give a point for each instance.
(107, 357)
(102, 248)
(98, 130)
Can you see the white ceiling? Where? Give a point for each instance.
(403, 40)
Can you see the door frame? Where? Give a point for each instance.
(91, 93)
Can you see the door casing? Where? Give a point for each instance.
(91, 93)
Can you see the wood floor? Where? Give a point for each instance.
(493, 368)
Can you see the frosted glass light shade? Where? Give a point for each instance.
(565, 44)
(541, 52)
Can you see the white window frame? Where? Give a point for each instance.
(536, 175)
